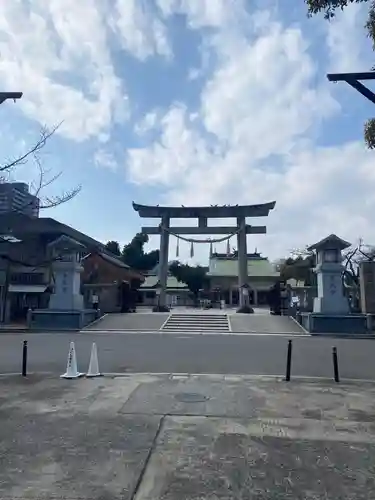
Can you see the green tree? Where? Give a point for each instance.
(299, 267)
(329, 8)
(133, 254)
(194, 276)
(113, 247)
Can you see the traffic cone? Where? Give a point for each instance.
(71, 367)
(94, 364)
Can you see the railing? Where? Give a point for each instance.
(27, 279)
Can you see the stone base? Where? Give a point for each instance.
(245, 310)
(326, 305)
(160, 309)
(66, 302)
(55, 319)
(335, 323)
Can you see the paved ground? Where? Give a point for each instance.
(133, 321)
(161, 353)
(264, 323)
(185, 438)
(260, 322)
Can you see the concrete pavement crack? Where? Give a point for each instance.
(148, 457)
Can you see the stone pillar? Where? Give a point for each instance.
(242, 258)
(67, 287)
(367, 287)
(330, 299)
(163, 260)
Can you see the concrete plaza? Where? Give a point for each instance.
(176, 437)
(145, 320)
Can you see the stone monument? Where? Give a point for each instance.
(66, 267)
(329, 269)
(66, 307)
(331, 311)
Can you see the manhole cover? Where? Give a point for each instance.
(191, 397)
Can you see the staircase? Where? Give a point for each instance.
(197, 323)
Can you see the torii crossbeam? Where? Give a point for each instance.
(353, 79)
(9, 95)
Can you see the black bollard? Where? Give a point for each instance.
(335, 364)
(289, 361)
(24, 359)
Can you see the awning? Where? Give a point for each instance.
(27, 288)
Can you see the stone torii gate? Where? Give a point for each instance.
(202, 214)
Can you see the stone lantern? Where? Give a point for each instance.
(66, 307)
(329, 269)
(331, 311)
(66, 264)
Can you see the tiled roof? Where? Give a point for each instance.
(255, 268)
(151, 281)
(333, 240)
(113, 260)
(22, 226)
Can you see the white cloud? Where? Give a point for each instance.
(141, 32)
(194, 73)
(103, 158)
(57, 54)
(148, 122)
(255, 141)
(266, 90)
(349, 47)
(203, 13)
(167, 159)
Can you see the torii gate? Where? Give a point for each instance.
(202, 214)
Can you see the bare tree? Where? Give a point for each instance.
(45, 177)
(44, 180)
(352, 258)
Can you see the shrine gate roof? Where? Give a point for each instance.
(213, 211)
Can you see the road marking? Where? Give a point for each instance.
(244, 377)
(165, 322)
(302, 327)
(18, 374)
(217, 376)
(95, 321)
(190, 334)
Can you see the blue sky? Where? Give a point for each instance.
(193, 102)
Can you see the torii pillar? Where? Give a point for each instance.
(242, 260)
(163, 261)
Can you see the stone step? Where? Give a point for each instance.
(200, 320)
(197, 323)
(198, 316)
(194, 325)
